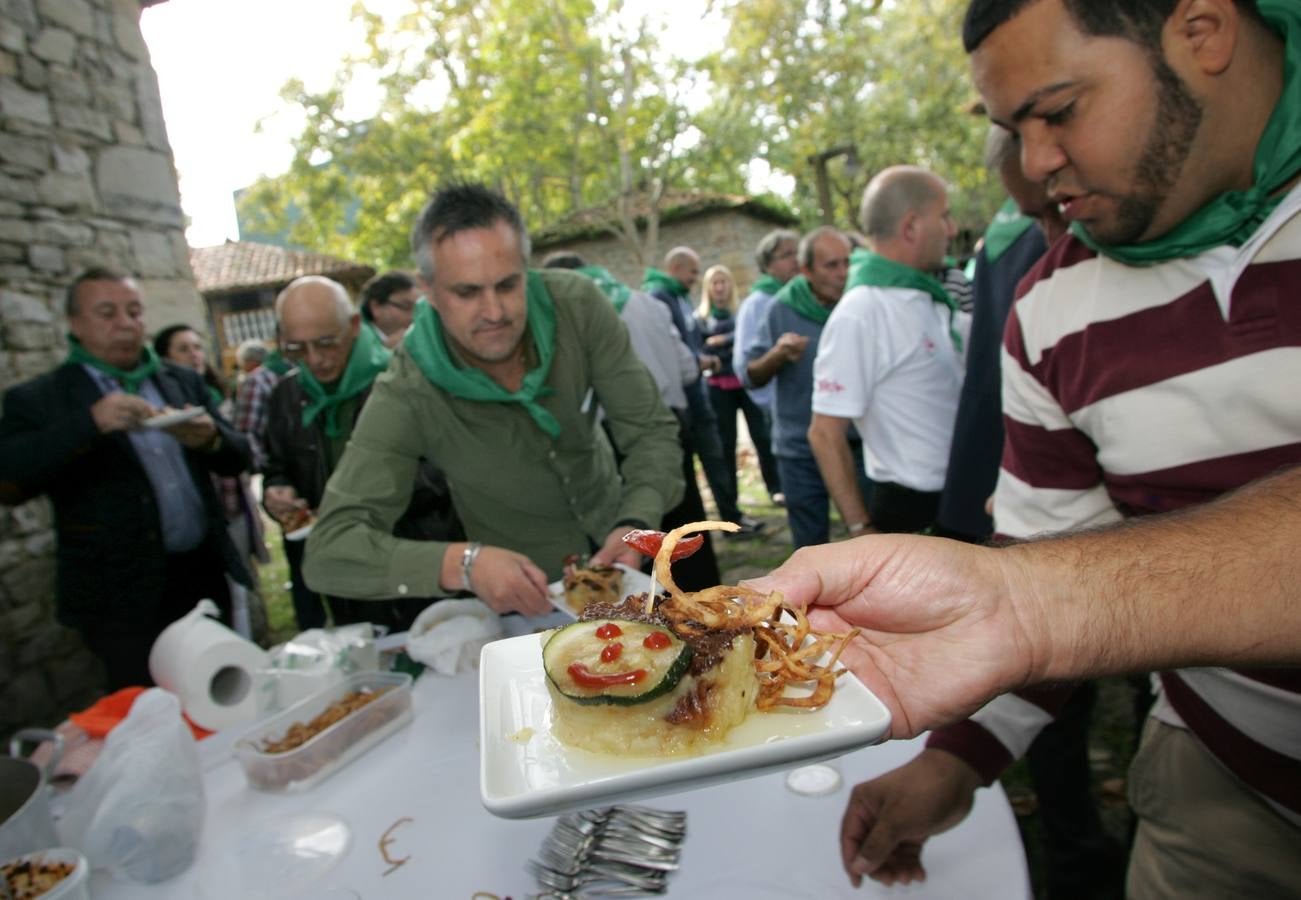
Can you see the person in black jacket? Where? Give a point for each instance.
(141, 537)
(311, 414)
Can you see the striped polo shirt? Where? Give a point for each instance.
(1130, 391)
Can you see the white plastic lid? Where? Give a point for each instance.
(280, 857)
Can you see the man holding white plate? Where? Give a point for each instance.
(498, 382)
(124, 445)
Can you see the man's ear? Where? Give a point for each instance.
(1203, 34)
(354, 324)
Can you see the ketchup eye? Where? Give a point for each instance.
(656, 640)
(609, 631)
(611, 652)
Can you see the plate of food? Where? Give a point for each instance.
(583, 584)
(170, 417)
(638, 699)
(299, 524)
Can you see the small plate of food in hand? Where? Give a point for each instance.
(584, 584)
(169, 417)
(299, 524)
(647, 696)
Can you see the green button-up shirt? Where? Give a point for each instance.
(513, 486)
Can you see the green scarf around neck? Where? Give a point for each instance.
(366, 360)
(277, 363)
(1233, 217)
(613, 288)
(130, 379)
(797, 294)
(1008, 224)
(766, 285)
(427, 346)
(874, 270)
(719, 312)
(657, 279)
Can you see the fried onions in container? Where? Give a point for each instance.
(787, 652)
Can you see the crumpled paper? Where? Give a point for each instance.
(449, 634)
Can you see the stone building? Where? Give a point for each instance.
(722, 229)
(86, 177)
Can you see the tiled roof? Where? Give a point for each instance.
(248, 265)
(673, 207)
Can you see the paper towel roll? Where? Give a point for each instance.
(209, 667)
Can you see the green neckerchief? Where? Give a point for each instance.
(426, 345)
(1233, 217)
(874, 270)
(797, 294)
(277, 363)
(215, 396)
(130, 380)
(367, 359)
(766, 285)
(613, 288)
(657, 279)
(1008, 224)
(719, 313)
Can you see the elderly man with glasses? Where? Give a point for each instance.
(311, 415)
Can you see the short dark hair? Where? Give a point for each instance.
(1139, 21)
(563, 259)
(163, 339)
(93, 273)
(462, 206)
(384, 285)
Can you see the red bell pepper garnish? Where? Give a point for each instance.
(648, 544)
(584, 677)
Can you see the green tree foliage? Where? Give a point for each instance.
(565, 105)
(888, 79)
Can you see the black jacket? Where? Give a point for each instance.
(111, 563)
(297, 457)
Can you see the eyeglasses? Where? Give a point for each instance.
(327, 344)
(404, 307)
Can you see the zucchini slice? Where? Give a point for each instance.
(649, 662)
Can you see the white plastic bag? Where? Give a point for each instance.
(449, 634)
(139, 810)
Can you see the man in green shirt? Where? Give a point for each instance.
(498, 382)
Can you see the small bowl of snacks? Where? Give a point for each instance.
(57, 874)
(303, 745)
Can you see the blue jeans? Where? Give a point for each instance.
(808, 506)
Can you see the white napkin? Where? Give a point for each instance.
(449, 634)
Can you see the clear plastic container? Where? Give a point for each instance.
(333, 747)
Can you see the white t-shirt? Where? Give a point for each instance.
(887, 362)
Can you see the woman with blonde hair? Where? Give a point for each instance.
(719, 299)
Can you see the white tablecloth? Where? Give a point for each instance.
(750, 839)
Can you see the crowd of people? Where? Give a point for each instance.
(1098, 439)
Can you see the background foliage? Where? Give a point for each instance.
(570, 104)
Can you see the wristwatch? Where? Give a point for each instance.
(468, 556)
(859, 527)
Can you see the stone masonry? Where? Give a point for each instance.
(724, 236)
(86, 177)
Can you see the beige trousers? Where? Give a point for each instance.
(1203, 835)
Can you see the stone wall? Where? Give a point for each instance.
(86, 177)
(724, 236)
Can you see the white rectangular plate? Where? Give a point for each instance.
(176, 417)
(634, 582)
(525, 772)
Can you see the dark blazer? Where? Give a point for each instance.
(296, 457)
(112, 568)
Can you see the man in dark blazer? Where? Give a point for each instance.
(141, 537)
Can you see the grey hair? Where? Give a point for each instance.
(806, 243)
(343, 308)
(250, 351)
(767, 249)
(892, 194)
(462, 206)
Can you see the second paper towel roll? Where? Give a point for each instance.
(209, 667)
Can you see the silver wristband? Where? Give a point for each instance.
(468, 556)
